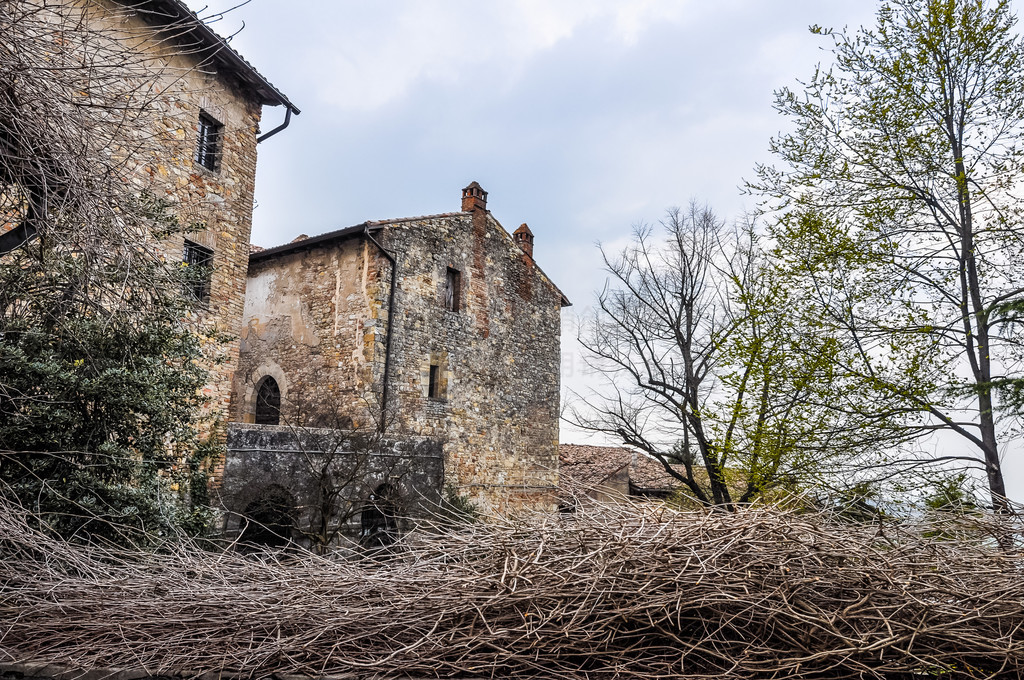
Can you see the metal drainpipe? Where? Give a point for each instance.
(282, 126)
(384, 390)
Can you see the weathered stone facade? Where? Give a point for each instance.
(466, 351)
(327, 476)
(201, 75)
(187, 74)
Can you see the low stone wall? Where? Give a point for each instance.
(328, 478)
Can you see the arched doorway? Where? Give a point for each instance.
(269, 518)
(268, 402)
(378, 521)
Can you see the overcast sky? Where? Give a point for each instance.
(580, 118)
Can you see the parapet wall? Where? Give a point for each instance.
(329, 476)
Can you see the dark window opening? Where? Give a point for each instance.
(434, 386)
(208, 144)
(199, 271)
(269, 519)
(452, 290)
(378, 521)
(15, 208)
(268, 402)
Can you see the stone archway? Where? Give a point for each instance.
(268, 520)
(268, 369)
(378, 519)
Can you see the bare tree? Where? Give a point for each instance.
(708, 370)
(79, 94)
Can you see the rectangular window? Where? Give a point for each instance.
(198, 271)
(208, 145)
(434, 387)
(452, 289)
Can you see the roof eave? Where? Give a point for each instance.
(313, 241)
(173, 13)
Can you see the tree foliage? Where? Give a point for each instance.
(902, 222)
(706, 371)
(101, 362)
(100, 404)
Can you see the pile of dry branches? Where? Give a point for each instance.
(628, 591)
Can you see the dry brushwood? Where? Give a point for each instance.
(624, 591)
(88, 101)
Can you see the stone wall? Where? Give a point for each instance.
(317, 315)
(219, 202)
(328, 471)
(498, 357)
(164, 76)
(311, 318)
(160, 156)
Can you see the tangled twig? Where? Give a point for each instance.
(617, 591)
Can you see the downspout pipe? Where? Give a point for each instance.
(386, 379)
(287, 119)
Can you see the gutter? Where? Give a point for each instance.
(386, 379)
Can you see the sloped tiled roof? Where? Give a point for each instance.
(648, 473)
(312, 241)
(590, 466)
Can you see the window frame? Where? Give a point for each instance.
(209, 142)
(434, 382)
(452, 290)
(197, 255)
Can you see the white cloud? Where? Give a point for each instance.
(376, 56)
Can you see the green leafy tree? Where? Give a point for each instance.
(902, 223)
(100, 408)
(785, 418)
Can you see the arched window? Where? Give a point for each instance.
(268, 402)
(379, 518)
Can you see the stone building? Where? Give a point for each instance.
(439, 327)
(204, 160)
(187, 136)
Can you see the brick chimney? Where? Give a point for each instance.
(524, 238)
(474, 198)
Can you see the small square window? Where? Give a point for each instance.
(434, 386)
(208, 144)
(198, 272)
(452, 290)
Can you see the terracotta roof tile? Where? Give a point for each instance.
(648, 473)
(588, 466)
(187, 26)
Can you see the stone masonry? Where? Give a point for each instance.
(200, 75)
(185, 73)
(472, 358)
